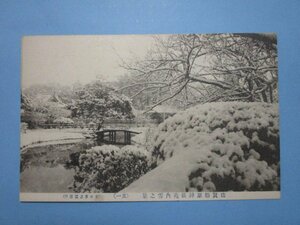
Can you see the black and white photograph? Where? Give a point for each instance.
(149, 117)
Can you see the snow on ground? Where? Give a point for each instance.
(46, 135)
(215, 147)
(170, 176)
(181, 173)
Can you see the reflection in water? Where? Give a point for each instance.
(46, 179)
(46, 169)
(50, 168)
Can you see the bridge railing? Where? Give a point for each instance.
(119, 136)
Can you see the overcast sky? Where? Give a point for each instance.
(70, 59)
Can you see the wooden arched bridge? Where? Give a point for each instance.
(121, 137)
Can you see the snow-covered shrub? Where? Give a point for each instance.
(109, 168)
(63, 120)
(96, 100)
(234, 145)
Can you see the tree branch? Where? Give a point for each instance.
(168, 98)
(143, 83)
(222, 85)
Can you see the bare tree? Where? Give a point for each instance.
(247, 64)
(189, 69)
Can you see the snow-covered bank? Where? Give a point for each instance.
(216, 147)
(170, 176)
(40, 136)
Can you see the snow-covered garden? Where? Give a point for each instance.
(216, 147)
(196, 113)
(212, 147)
(47, 136)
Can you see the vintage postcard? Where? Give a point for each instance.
(150, 117)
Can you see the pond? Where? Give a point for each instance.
(47, 169)
(44, 169)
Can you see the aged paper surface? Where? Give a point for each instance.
(150, 118)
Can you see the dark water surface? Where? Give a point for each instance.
(45, 169)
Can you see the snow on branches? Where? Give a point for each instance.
(190, 69)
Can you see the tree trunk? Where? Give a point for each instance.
(271, 94)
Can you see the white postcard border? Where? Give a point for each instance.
(147, 196)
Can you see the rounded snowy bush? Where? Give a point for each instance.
(233, 146)
(109, 168)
